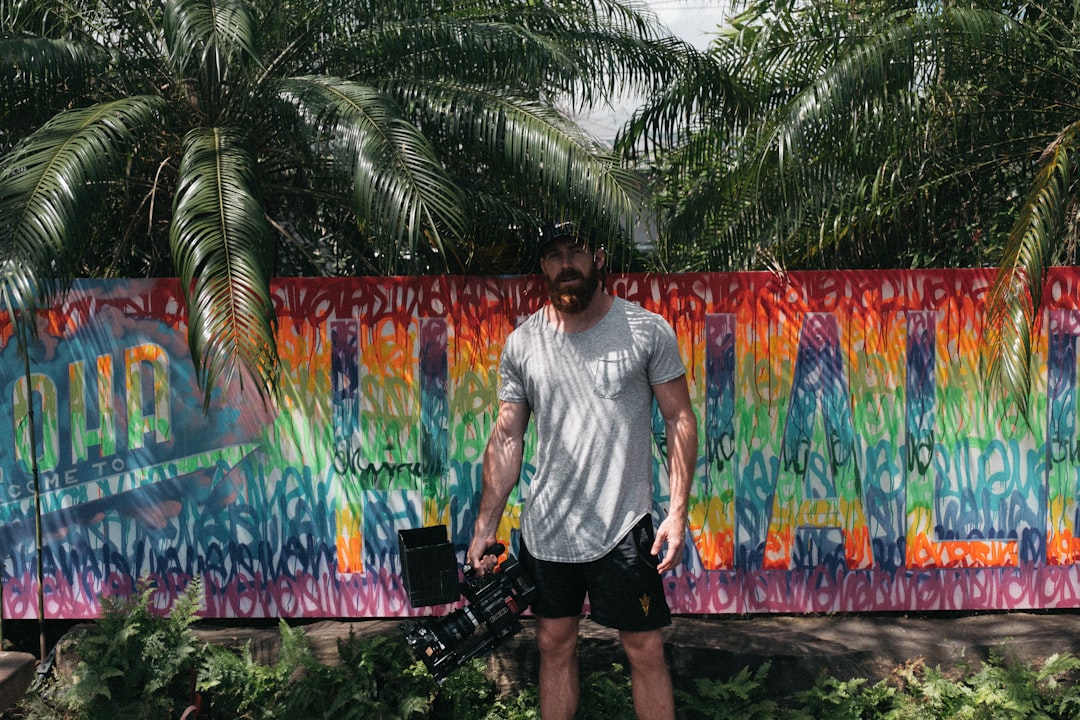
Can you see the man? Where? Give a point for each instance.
(588, 366)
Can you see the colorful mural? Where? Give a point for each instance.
(849, 460)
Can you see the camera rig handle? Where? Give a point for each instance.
(496, 549)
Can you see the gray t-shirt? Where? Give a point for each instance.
(591, 397)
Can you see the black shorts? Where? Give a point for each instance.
(625, 591)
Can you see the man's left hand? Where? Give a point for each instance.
(672, 532)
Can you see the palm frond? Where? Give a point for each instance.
(586, 52)
(703, 98)
(836, 145)
(30, 66)
(398, 182)
(206, 36)
(219, 239)
(1016, 294)
(532, 143)
(48, 184)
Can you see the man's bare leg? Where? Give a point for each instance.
(650, 681)
(559, 683)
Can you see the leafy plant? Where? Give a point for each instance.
(467, 693)
(374, 678)
(137, 664)
(239, 686)
(833, 699)
(132, 663)
(524, 705)
(743, 696)
(606, 696)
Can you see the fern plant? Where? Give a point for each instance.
(606, 696)
(834, 699)
(744, 696)
(375, 678)
(466, 694)
(133, 663)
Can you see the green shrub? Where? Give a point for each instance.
(132, 663)
(135, 664)
(375, 678)
(833, 699)
(606, 696)
(524, 705)
(744, 697)
(1001, 689)
(467, 694)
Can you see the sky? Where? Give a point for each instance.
(695, 21)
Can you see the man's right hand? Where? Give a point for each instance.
(478, 556)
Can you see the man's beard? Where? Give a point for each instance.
(576, 298)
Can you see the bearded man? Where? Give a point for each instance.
(588, 367)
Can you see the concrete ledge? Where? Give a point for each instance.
(16, 673)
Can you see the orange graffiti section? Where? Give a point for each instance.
(924, 553)
(712, 532)
(1062, 548)
(350, 541)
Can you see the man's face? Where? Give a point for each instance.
(572, 275)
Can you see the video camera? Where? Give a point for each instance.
(496, 600)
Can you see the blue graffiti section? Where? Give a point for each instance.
(819, 438)
(982, 488)
(920, 386)
(1062, 446)
(719, 394)
(345, 391)
(128, 462)
(434, 405)
(819, 392)
(1061, 376)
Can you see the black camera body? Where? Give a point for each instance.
(496, 601)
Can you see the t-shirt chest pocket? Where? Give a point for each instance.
(611, 375)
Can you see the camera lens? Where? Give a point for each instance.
(457, 626)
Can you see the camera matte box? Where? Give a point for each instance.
(428, 566)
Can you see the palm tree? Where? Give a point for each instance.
(228, 141)
(887, 134)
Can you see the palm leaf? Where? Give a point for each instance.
(206, 36)
(219, 238)
(537, 149)
(1016, 294)
(398, 182)
(588, 52)
(837, 146)
(48, 185)
(30, 66)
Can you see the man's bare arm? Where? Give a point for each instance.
(502, 468)
(673, 397)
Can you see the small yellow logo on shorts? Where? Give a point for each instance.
(644, 600)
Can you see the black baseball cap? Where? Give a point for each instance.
(566, 230)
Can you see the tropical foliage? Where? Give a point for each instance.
(228, 141)
(129, 662)
(885, 134)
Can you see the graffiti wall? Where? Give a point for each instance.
(849, 461)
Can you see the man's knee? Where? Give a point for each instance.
(557, 636)
(643, 647)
